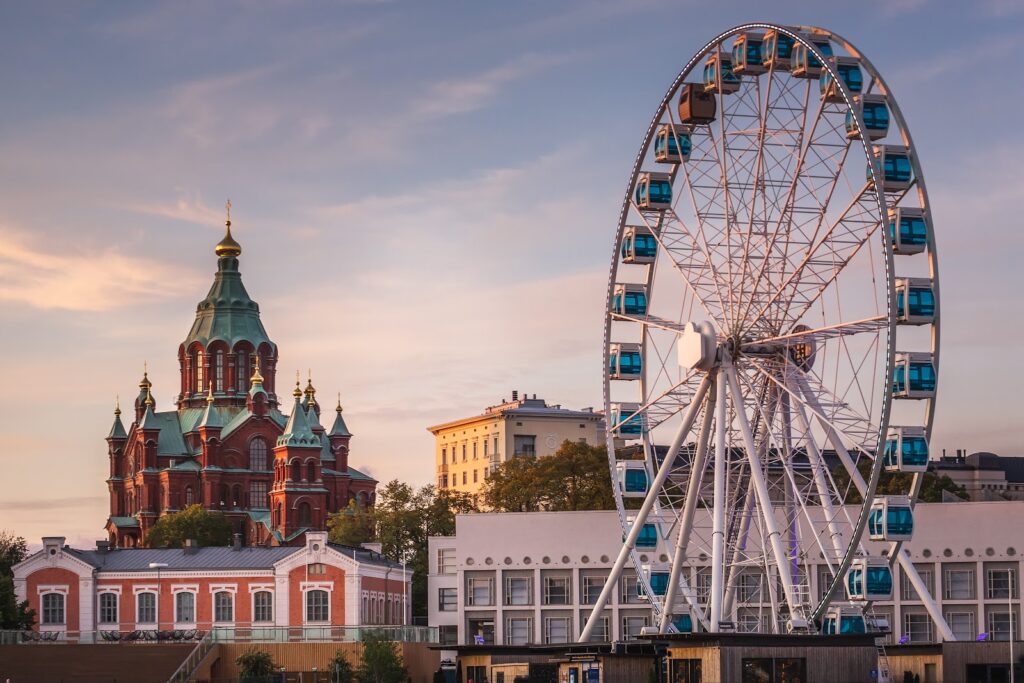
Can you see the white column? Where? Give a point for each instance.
(718, 518)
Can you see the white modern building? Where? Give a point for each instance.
(518, 578)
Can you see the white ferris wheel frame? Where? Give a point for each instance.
(723, 382)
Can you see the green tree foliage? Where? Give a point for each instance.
(575, 477)
(897, 484)
(255, 665)
(13, 615)
(401, 522)
(13, 549)
(341, 669)
(207, 527)
(351, 526)
(381, 661)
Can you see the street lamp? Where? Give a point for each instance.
(157, 566)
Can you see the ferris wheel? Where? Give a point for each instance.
(771, 342)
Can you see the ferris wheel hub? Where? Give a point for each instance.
(697, 346)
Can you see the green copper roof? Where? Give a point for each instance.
(227, 313)
(122, 522)
(339, 428)
(117, 429)
(356, 474)
(297, 431)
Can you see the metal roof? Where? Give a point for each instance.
(139, 559)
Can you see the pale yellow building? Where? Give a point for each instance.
(466, 450)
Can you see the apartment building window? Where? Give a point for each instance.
(444, 481)
(518, 630)
(556, 590)
(907, 588)
(999, 625)
(316, 569)
(447, 599)
(53, 608)
(481, 591)
(495, 445)
(485, 447)
(448, 635)
(632, 625)
(591, 589)
(524, 444)
(463, 452)
(748, 623)
(474, 450)
(824, 580)
(1000, 584)
(482, 628)
(629, 592)
(917, 628)
(446, 560)
(518, 590)
(474, 476)
(463, 478)
(108, 608)
(317, 606)
(600, 633)
(749, 589)
(444, 456)
(263, 606)
(556, 630)
(962, 625)
(145, 612)
(958, 584)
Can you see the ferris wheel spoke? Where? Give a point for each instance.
(822, 334)
(691, 256)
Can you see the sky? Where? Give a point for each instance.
(426, 194)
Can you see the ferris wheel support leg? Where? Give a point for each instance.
(821, 484)
(764, 499)
(902, 556)
(686, 522)
(645, 508)
(718, 519)
(733, 574)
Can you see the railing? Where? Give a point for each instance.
(239, 634)
(194, 659)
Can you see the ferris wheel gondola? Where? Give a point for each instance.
(773, 307)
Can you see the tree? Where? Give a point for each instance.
(341, 669)
(381, 662)
(575, 477)
(206, 527)
(401, 522)
(352, 526)
(897, 484)
(255, 665)
(13, 549)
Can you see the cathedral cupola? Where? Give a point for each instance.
(226, 339)
(117, 432)
(144, 386)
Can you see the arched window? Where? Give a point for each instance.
(258, 454)
(311, 471)
(317, 606)
(145, 608)
(200, 371)
(296, 470)
(218, 370)
(277, 515)
(185, 608)
(361, 499)
(223, 606)
(305, 515)
(53, 608)
(263, 606)
(242, 373)
(189, 500)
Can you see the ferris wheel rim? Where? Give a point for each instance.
(797, 34)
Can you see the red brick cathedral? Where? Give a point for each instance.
(226, 445)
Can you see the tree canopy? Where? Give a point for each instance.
(575, 477)
(13, 614)
(381, 662)
(898, 484)
(401, 521)
(206, 527)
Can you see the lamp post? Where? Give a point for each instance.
(1009, 605)
(157, 566)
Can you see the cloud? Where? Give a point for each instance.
(73, 502)
(60, 275)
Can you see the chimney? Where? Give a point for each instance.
(236, 544)
(102, 546)
(515, 395)
(373, 547)
(191, 546)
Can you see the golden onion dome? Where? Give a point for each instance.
(228, 246)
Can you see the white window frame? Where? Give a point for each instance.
(305, 605)
(509, 593)
(927, 620)
(146, 625)
(453, 606)
(61, 591)
(108, 625)
(602, 629)
(213, 602)
(194, 592)
(907, 591)
(972, 632)
(446, 561)
(589, 582)
(566, 581)
(254, 591)
(470, 592)
(508, 629)
(990, 619)
(947, 593)
(627, 619)
(1011, 580)
(629, 590)
(548, 621)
